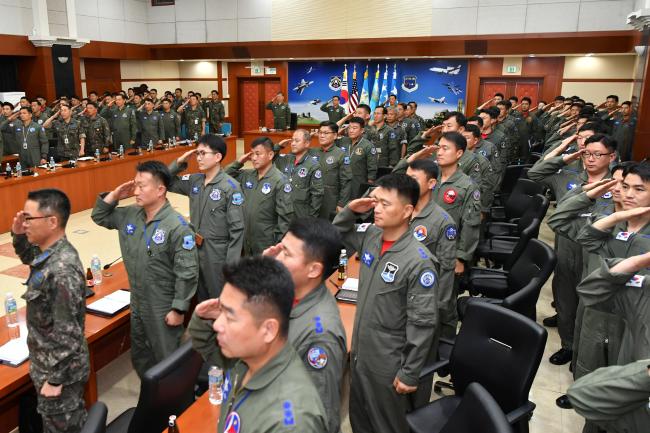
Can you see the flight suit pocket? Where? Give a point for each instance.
(389, 311)
(300, 195)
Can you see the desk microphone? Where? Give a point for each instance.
(111, 263)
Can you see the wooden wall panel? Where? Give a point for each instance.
(103, 74)
(37, 74)
(11, 45)
(480, 68)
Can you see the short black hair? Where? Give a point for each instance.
(53, 201)
(505, 103)
(215, 91)
(559, 98)
(499, 94)
(35, 101)
(526, 98)
(403, 105)
(415, 104)
(262, 141)
(366, 107)
(157, 169)
(393, 95)
(92, 92)
(8, 104)
(513, 98)
(178, 88)
(267, 285)
(642, 169)
(406, 187)
(493, 112)
(460, 117)
(153, 90)
(477, 119)
(603, 139)
(321, 241)
(456, 138)
(614, 97)
(336, 96)
(475, 130)
(383, 109)
(624, 166)
(215, 143)
(627, 103)
(27, 108)
(359, 121)
(147, 99)
(331, 125)
(94, 104)
(427, 165)
(591, 126)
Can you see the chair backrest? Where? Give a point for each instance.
(521, 197)
(511, 176)
(167, 389)
(96, 421)
(477, 412)
(501, 350)
(525, 234)
(536, 260)
(524, 300)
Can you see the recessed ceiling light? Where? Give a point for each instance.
(531, 55)
(182, 60)
(589, 54)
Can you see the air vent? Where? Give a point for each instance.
(163, 2)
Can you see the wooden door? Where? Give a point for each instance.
(271, 88)
(254, 94)
(530, 89)
(491, 88)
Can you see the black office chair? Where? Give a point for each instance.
(96, 421)
(510, 178)
(166, 389)
(383, 171)
(517, 201)
(477, 412)
(503, 251)
(537, 209)
(499, 349)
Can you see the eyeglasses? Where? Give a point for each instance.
(29, 219)
(202, 153)
(596, 155)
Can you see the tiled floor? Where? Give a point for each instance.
(119, 385)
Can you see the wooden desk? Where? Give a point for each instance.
(201, 417)
(84, 183)
(347, 310)
(275, 136)
(107, 339)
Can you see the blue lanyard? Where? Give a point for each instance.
(234, 409)
(148, 239)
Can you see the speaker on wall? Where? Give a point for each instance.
(63, 73)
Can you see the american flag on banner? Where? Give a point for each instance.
(354, 94)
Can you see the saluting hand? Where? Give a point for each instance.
(573, 156)
(18, 225)
(210, 309)
(284, 142)
(272, 251)
(184, 157)
(362, 205)
(425, 152)
(245, 158)
(596, 189)
(121, 192)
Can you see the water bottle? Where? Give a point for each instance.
(172, 426)
(19, 170)
(96, 155)
(150, 147)
(52, 165)
(174, 141)
(196, 137)
(8, 171)
(121, 151)
(343, 265)
(96, 269)
(215, 384)
(11, 310)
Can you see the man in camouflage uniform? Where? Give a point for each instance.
(8, 136)
(193, 118)
(305, 175)
(56, 307)
(216, 112)
(97, 130)
(335, 112)
(281, 112)
(70, 134)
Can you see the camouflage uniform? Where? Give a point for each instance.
(216, 114)
(69, 134)
(194, 119)
(98, 134)
(56, 312)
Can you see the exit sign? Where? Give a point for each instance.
(511, 69)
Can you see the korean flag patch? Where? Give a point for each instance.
(188, 242)
(158, 237)
(215, 195)
(623, 236)
(317, 357)
(636, 281)
(427, 279)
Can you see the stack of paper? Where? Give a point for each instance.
(349, 291)
(111, 304)
(15, 352)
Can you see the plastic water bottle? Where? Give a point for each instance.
(96, 155)
(121, 151)
(196, 137)
(8, 171)
(174, 141)
(52, 165)
(215, 385)
(19, 170)
(11, 310)
(343, 265)
(96, 269)
(150, 147)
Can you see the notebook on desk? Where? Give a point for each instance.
(348, 291)
(14, 352)
(110, 305)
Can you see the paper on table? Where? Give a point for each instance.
(350, 284)
(111, 304)
(14, 352)
(85, 158)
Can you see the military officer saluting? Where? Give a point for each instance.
(334, 110)
(33, 145)
(384, 138)
(98, 132)
(268, 207)
(193, 118)
(151, 125)
(281, 112)
(363, 156)
(397, 309)
(159, 252)
(305, 175)
(123, 123)
(335, 165)
(171, 121)
(8, 136)
(216, 112)
(70, 133)
(215, 211)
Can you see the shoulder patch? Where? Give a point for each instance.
(318, 174)
(188, 242)
(636, 281)
(363, 227)
(287, 188)
(423, 253)
(451, 232)
(182, 220)
(427, 279)
(317, 357)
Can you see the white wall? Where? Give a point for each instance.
(113, 20)
(16, 17)
(595, 68)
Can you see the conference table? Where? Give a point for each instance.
(83, 183)
(203, 417)
(107, 339)
(275, 136)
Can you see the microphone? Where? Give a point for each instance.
(111, 263)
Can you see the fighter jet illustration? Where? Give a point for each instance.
(302, 86)
(453, 88)
(315, 101)
(437, 100)
(449, 70)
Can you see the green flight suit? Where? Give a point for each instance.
(488, 150)
(162, 264)
(69, 135)
(394, 325)
(8, 136)
(334, 114)
(32, 141)
(268, 208)
(123, 126)
(171, 124)
(500, 141)
(306, 179)
(401, 137)
(151, 126)
(386, 144)
(478, 168)
(281, 115)
(560, 178)
(98, 134)
(280, 397)
(337, 177)
(193, 120)
(363, 162)
(615, 398)
(217, 215)
(412, 128)
(216, 114)
(437, 230)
